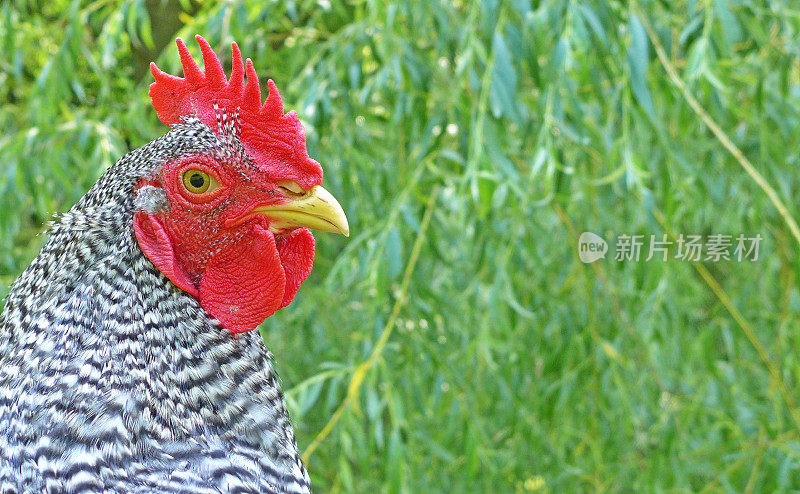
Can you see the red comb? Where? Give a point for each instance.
(276, 141)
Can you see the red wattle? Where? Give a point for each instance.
(243, 284)
(297, 257)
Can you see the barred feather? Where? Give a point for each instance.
(114, 380)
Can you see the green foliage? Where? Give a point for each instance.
(513, 366)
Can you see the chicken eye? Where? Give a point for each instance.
(198, 182)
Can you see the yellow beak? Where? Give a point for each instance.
(316, 209)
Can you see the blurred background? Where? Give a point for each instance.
(455, 342)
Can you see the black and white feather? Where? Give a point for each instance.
(114, 380)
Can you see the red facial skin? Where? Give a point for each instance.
(213, 247)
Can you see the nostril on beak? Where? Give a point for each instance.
(290, 188)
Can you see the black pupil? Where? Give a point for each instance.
(197, 180)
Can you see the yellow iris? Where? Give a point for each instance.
(199, 182)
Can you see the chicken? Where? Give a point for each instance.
(127, 357)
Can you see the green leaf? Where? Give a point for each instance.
(594, 23)
(394, 252)
(696, 59)
(504, 80)
(638, 58)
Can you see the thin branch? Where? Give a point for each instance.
(715, 287)
(354, 388)
(717, 131)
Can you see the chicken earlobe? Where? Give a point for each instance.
(156, 245)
